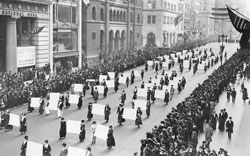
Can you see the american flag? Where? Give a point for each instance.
(239, 21)
(178, 19)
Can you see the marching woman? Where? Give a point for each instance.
(90, 115)
(142, 74)
(132, 77)
(95, 94)
(60, 108)
(110, 139)
(67, 104)
(183, 82)
(166, 97)
(47, 112)
(82, 131)
(138, 120)
(107, 112)
(153, 95)
(30, 109)
(120, 114)
(105, 91)
(41, 107)
(62, 131)
(116, 84)
(134, 96)
(146, 66)
(46, 148)
(80, 101)
(123, 97)
(127, 81)
(93, 137)
(244, 94)
(171, 92)
(148, 107)
(23, 124)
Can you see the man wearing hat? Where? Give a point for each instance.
(229, 127)
(24, 146)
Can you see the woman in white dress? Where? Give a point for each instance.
(93, 128)
(47, 106)
(60, 108)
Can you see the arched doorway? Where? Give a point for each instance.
(123, 37)
(111, 40)
(151, 40)
(117, 40)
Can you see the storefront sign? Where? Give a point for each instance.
(17, 13)
(26, 56)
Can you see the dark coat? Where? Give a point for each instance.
(229, 126)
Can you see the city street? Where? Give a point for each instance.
(128, 136)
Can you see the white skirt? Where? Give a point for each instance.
(59, 112)
(47, 110)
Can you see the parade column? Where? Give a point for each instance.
(11, 45)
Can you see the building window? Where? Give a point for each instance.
(149, 4)
(118, 16)
(167, 20)
(164, 20)
(110, 15)
(131, 17)
(64, 40)
(174, 7)
(93, 35)
(94, 13)
(114, 15)
(153, 19)
(23, 30)
(124, 17)
(138, 18)
(121, 16)
(168, 6)
(74, 15)
(149, 19)
(154, 4)
(165, 5)
(102, 14)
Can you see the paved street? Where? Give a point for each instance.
(41, 127)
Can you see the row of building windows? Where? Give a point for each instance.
(168, 20)
(24, 6)
(169, 6)
(115, 16)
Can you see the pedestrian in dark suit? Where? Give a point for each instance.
(229, 127)
(166, 98)
(107, 112)
(23, 124)
(62, 132)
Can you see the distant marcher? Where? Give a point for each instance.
(23, 124)
(82, 131)
(229, 127)
(110, 138)
(24, 146)
(93, 137)
(107, 112)
(62, 131)
(64, 151)
(46, 148)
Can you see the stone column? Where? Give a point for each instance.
(11, 45)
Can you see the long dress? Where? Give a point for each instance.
(59, 109)
(47, 112)
(93, 137)
(41, 107)
(110, 139)
(62, 131)
(89, 115)
(79, 102)
(23, 125)
(82, 133)
(138, 120)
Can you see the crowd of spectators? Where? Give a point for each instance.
(177, 134)
(16, 88)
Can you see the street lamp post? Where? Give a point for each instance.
(221, 38)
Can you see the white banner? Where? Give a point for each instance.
(141, 103)
(78, 87)
(35, 102)
(150, 85)
(98, 109)
(34, 149)
(73, 99)
(14, 120)
(26, 56)
(150, 63)
(129, 113)
(159, 94)
(53, 101)
(142, 92)
(100, 89)
(101, 77)
(137, 73)
(73, 126)
(110, 83)
(122, 80)
(101, 132)
(73, 151)
(111, 75)
(186, 64)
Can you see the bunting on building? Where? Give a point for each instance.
(178, 19)
(239, 21)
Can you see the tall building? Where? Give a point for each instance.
(20, 45)
(158, 23)
(110, 26)
(206, 23)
